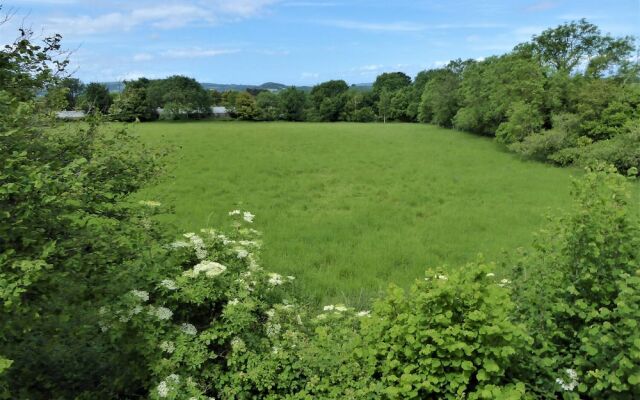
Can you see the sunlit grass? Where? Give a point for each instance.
(349, 208)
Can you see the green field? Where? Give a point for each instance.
(348, 208)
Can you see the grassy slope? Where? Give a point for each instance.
(348, 208)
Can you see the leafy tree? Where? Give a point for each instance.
(180, 97)
(246, 108)
(565, 47)
(133, 104)
(292, 104)
(328, 99)
(95, 98)
(268, 106)
(391, 81)
(216, 97)
(74, 89)
(401, 103)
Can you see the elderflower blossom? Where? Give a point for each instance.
(273, 329)
(234, 212)
(141, 294)
(168, 346)
(179, 244)
(572, 384)
(271, 313)
(442, 277)
(234, 302)
(247, 216)
(341, 308)
(169, 284)
(188, 329)
(504, 282)
(242, 253)
(210, 269)
(198, 245)
(238, 344)
(163, 389)
(162, 313)
(275, 279)
(330, 307)
(364, 314)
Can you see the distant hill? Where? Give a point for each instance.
(117, 87)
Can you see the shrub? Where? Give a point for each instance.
(523, 120)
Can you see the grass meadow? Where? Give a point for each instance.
(349, 208)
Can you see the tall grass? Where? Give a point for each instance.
(349, 208)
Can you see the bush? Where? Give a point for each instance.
(523, 120)
(575, 293)
(541, 146)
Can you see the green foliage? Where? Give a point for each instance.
(246, 107)
(95, 98)
(391, 82)
(440, 99)
(268, 105)
(292, 103)
(133, 104)
(523, 120)
(577, 288)
(180, 97)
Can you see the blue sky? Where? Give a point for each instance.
(300, 42)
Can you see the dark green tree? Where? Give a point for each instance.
(95, 98)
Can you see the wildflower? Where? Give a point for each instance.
(210, 269)
(273, 329)
(247, 216)
(234, 212)
(271, 313)
(341, 308)
(188, 329)
(234, 302)
(150, 203)
(136, 310)
(162, 313)
(490, 275)
(163, 389)
(173, 378)
(179, 244)
(168, 346)
(275, 279)
(275, 350)
(364, 314)
(238, 344)
(504, 282)
(291, 278)
(198, 245)
(572, 384)
(242, 253)
(169, 284)
(442, 277)
(329, 308)
(141, 294)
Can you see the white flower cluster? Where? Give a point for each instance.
(238, 344)
(167, 346)
(363, 314)
(504, 283)
(198, 245)
(188, 329)
(141, 294)
(166, 385)
(573, 380)
(246, 215)
(273, 329)
(337, 308)
(169, 284)
(162, 313)
(150, 203)
(275, 279)
(242, 253)
(490, 275)
(209, 268)
(234, 302)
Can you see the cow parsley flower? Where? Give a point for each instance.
(162, 313)
(504, 282)
(341, 308)
(242, 253)
(330, 307)
(188, 329)
(442, 277)
(234, 212)
(364, 314)
(273, 329)
(247, 216)
(198, 245)
(169, 284)
(141, 294)
(163, 389)
(238, 344)
(180, 244)
(234, 302)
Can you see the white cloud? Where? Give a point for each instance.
(403, 26)
(310, 75)
(540, 6)
(197, 53)
(162, 14)
(143, 57)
